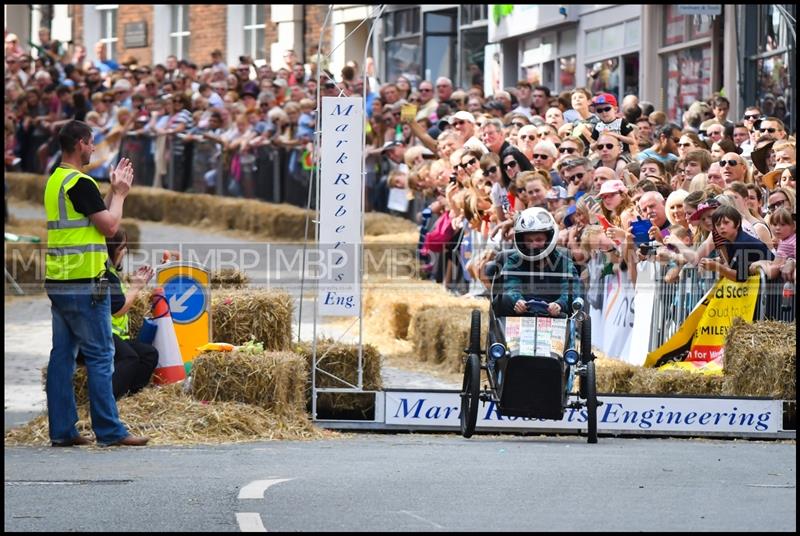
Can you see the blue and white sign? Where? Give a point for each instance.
(187, 299)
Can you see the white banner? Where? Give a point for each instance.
(617, 316)
(618, 413)
(340, 206)
(642, 320)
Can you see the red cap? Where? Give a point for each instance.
(604, 98)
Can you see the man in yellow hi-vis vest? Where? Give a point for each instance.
(78, 222)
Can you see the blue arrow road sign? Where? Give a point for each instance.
(187, 299)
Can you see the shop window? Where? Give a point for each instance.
(688, 78)
(402, 45)
(440, 44)
(473, 43)
(681, 28)
(603, 76)
(772, 63)
(567, 72)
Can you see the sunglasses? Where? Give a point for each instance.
(465, 165)
(528, 137)
(509, 165)
(751, 117)
(568, 150)
(608, 146)
(732, 163)
(577, 177)
(457, 123)
(425, 90)
(685, 145)
(603, 109)
(518, 125)
(491, 171)
(541, 156)
(770, 130)
(775, 206)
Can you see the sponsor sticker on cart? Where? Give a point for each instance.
(540, 336)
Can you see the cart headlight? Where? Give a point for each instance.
(497, 350)
(571, 356)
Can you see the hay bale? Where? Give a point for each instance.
(168, 416)
(391, 256)
(229, 278)
(378, 223)
(271, 380)
(341, 360)
(237, 316)
(139, 309)
(441, 334)
(390, 307)
(761, 359)
(674, 382)
(613, 375)
(26, 187)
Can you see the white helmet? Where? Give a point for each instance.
(533, 220)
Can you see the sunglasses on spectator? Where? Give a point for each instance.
(775, 206)
(465, 165)
(425, 90)
(770, 130)
(732, 163)
(608, 146)
(751, 117)
(518, 124)
(568, 150)
(541, 156)
(509, 165)
(685, 144)
(490, 170)
(576, 178)
(531, 137)
(458, 122)
(603, 109)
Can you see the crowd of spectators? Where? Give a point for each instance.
(457, 161)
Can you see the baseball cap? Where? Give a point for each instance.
(611, 187)
(463, 116)
(389, 145)
(604, 98)
(122, 84)
(702, 208)
(444, 122)
(569, 216)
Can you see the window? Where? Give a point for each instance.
(687, 71)
(440, 44)
(773, 65)
(474, 37)
(402, 45)
(549, 60)
(108, 29)
(179, 34)
(472, 13)
(254, 32)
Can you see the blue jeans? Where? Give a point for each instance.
(78, 322)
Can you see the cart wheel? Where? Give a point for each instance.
(469, 395)
(591, 401)
(475, 333)
(586, 339)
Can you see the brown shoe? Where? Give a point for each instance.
(129, 441)
(76, 441)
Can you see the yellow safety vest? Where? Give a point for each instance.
(76, 249)
(119, 324)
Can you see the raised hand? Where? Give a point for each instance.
(122, 177)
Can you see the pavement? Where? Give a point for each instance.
(28, 333)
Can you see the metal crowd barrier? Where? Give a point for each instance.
(675, 301)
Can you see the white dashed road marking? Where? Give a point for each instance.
(251, 521)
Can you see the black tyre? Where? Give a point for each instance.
(470, 394)
(475, 333)
(586, 339)
(591, 402)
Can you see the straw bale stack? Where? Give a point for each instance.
(675, 382)
(378, 223)
(169, 416)
(441, 334)
(26, 186)
(391, 255)
(229, 278)
(341, 360)
(613, 375)
(390, 307)
(761, 359)
(274, 381)
(237, 316)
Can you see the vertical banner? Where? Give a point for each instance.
(340, 214)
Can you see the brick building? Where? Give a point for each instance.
(149, 33)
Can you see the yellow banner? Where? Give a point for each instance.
(704, 330)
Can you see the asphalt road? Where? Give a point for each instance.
(408, 482)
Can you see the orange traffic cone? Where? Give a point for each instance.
(170, 367)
